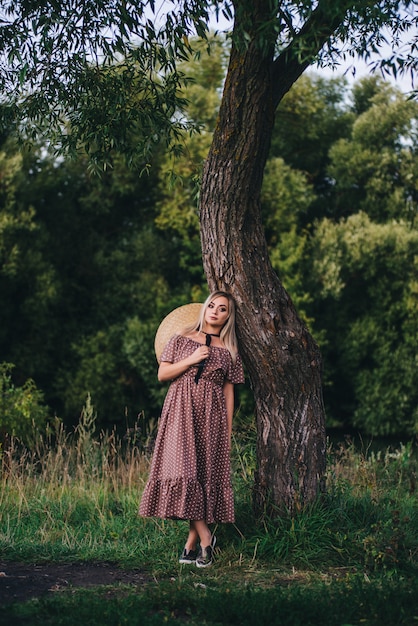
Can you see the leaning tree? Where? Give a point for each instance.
(93, 74)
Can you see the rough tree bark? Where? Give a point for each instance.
(281, 358)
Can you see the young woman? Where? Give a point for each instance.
(190, 471)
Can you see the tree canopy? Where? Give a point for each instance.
(84, 286)
(103, 75)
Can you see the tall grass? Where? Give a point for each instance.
(72, 495)
(367, 519)
(75, 496)
(350, 558)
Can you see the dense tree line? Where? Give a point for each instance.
(89, 265)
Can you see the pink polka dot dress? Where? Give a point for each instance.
(190, 476)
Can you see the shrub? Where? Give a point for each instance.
(22, 412)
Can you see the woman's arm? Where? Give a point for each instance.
(169, 371)
(228, 390)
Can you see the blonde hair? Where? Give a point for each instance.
(227, 335)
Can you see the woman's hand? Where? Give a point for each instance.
(200, 354)
(169, 371)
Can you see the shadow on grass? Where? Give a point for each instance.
(353, 601)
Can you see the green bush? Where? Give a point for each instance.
(22, 412)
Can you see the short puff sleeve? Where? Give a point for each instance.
(169, 352)
(235, 373)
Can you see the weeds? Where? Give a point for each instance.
(75, 497)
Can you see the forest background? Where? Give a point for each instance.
(89, 265)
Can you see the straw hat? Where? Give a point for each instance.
(173, 323)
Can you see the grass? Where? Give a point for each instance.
(350, 559)
(180, 603)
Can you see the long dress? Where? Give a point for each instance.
(190, 475)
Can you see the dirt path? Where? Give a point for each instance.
(22, 581)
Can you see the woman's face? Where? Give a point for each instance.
(217, 312)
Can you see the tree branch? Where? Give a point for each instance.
(300, 53)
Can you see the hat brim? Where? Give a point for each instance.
(173, 323)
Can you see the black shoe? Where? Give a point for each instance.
(188, 557)
(205, 556)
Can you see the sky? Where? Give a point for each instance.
(356, 69)
(404, 83)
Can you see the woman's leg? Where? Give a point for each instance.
(207, 543)
(193, 537)
(203, 531)
(198, 529)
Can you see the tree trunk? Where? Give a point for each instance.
(281, 358)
